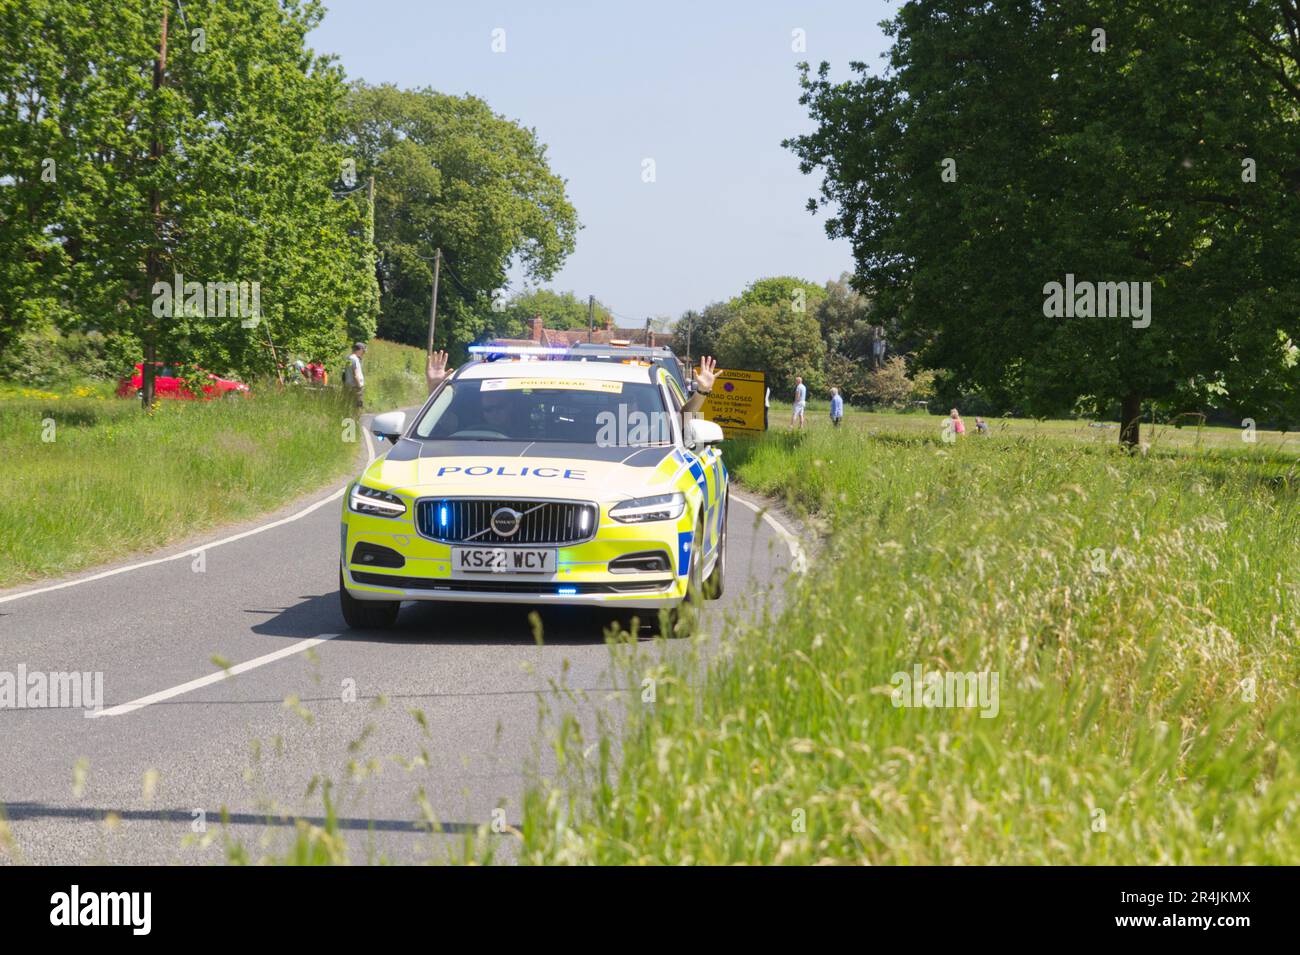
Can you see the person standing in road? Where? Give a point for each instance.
(837, 407)
(800, 397)
(353, 377)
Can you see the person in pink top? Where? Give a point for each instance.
(957, 426)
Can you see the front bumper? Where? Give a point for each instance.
(548, 593)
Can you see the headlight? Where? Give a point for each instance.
(367, 500)
(661, 507)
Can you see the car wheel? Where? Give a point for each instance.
(713, 584)
(367, 614)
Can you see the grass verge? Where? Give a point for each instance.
(87, 478)
(1133, 619)
(84, 481)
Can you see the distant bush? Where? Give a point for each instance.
(50, 357)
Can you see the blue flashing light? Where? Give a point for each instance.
(517, 350)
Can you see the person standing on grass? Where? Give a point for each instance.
(353, 376)
(957, 426)
(800, 397)
(837, 407)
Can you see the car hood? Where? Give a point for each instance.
(526, 469)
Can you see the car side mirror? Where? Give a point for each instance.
(389, 425)
(700, 432)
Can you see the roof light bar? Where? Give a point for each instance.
(517, 350)
(628, 353)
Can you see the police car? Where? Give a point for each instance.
(539, 482)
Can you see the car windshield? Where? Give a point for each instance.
(611, 413)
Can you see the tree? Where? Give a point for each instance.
(215, 164)
(703, 328)
(796, 295)
(1005, 150)
(844, 314)
(849, 376)
(556, 309)
(451, 174)
(890, 386)
(774, 340)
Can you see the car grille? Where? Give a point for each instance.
(543, 522)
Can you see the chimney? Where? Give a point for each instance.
(535, 328)
(609, 323)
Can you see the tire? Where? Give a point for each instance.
(714, 583)
(367, 614)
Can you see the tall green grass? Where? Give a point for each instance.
(1141, 614)
(1183, 433)
(84, 481)
(87, 478)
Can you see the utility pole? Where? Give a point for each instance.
(153, 262)
(433, 305)
(647, 333)
(690, 324)
(591, 317)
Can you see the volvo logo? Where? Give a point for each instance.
(505, 521)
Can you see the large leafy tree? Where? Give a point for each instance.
(1004, 148)
(217, 163)
(697, 333)
(452, 175)
(845, 317)
(556, 310)
(794, 294)
(775, 340)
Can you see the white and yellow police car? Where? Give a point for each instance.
(539, 482)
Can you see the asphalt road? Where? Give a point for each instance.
(127, 786)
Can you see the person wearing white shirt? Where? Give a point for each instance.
(353, 376)
(800, 397)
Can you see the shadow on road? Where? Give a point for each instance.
(457, 624)
(20, 811)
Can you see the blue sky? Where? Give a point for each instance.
(706, 90)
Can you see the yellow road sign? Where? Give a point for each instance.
(738, 402)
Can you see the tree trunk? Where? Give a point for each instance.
(153, 263)
(1130, 419)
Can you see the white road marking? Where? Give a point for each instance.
(194, 551)
(798, 559)
(211, 678)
